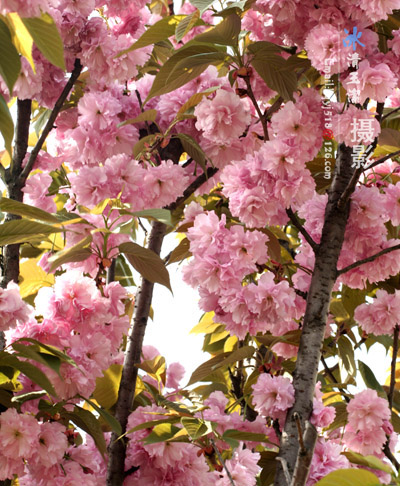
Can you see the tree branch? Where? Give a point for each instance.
(393, 366)
(296, 223)
(367, 260)
(319, 295)
(307, 444)
(383, 159)
(126, 393)
(222, 462)
(50, 122)
(262, 118)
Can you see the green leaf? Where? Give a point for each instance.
(107, 417)
(6, 125)
(273, 70)
(159, 31)
(181, 252)
(22, 230)
(45, 34)
(28, 396)
(268, 463)
(162, 215)
(196, 428)
(226, 33)
(87, 422)
(368, 461)
(76, 253)
(148, 115)
(241, 435)
(195, 100)
(346, 355)
(164, 82)
(237, 355)
(106, 391)
(349, 477)
(186, 24)
(202, 5)
(10, 63)
(161, 433)
(340, 417)
(205, 369)
(369, 377)
(389, 136)
(25, 210)
(147, 263)
(29, 370)
(140, 145)
(193, 149)
(31, 352)
(153, 423)
(51, 350)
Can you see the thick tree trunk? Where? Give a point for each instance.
(319, 295)
(117, 448)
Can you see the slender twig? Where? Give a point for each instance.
(222, 462)
(367, 260)
(285, 469)
(349, 189)
(383, 159)
(50, 122)
(390, 113)
(300, 293)
(332, 377)
(393, 366)
(300, 432)
(388, 453)
(273, 108)
(295, 221)
(276, 427)
(111, 271)
(250, 94)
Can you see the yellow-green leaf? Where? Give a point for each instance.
(31, 212)
(22, 39)
(368, 461)
(106, 392)
(6, 125)
(186, 25)
(148, 115)
(10, 64)
(225, 33)
(159, 31)
(47, 38)
(76, 253)
(349, 477)
(147, 263)
(21, 230)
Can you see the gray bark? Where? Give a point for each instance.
(319, 295)
(117, 448)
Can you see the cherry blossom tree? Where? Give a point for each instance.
(265, 134)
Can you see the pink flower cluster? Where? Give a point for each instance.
(13, 310)
(79, 320)
(141, 187)
(167, 463)
(273, 396)
(382, 315)
(222, 259)
(368, 423)
(351, 128)
(274, 178)
(24, 439)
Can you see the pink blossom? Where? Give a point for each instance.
(273, 396)
(367, 411)
(223, 118)
(352, 128)
(327, 458)
(325, 48)
(35, 192)
(243, 468)
(13, 309)
(376, 82)
(175, 373)
(378, 9)
(382, 315)
(52, 443)
(19, 434)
